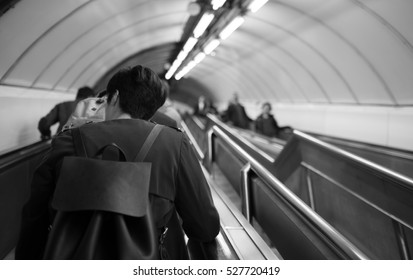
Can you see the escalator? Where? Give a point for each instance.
(315, 200)
(400, 161)
(16, 169)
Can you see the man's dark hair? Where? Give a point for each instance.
(165, 92)
(140, 91)
(85, 92)
(266, 104)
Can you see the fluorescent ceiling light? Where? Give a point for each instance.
(256, 5)
(185, 70)
(172, 69)
(203, 24)
(216, 4)
(181, 56)
(190, 44)
(211, 46)
(179, 76)
(169, 74)
(199, 57)
(231, 27)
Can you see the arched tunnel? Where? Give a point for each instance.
(335, 71)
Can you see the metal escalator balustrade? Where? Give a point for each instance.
(400, 161)
(370, 204)
(237, 239)
(329, 236)
(16, 171)
(368, 164)
(215, 121)
(194, 142)
(311, 188)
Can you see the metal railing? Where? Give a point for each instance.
(19, 155)
(194, 143)
(374, 167)
(401, 223)
(255, 241)
(377, 170)
(257, 168)
(244, 141)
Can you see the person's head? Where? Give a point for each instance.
(165, 92)
(166, 88)
(266, 108)
(85, 92)
(235, 98)
(137, 91)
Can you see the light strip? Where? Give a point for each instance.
(203, 24)
(190, 44)
(172, 69)
(211, 46)
(256, 5)
(231, 27)
(185, 70)
(181, 56)
(199, 57)
(216, 4)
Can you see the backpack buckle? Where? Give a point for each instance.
(163, 235)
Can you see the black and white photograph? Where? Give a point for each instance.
(206, 139)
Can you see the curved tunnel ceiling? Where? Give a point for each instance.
(291, 51)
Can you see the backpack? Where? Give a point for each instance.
(102, 206)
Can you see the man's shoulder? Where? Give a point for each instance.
(66, 103)
(162, 118)
(122, 127)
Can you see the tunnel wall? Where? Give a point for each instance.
(380, 125)
(21, 109)
(20, 112)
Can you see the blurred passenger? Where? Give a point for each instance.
(161, 118)
(61, 113)
(266, 123)
(177, 184)
(167, 109)
(204, 106)
(236, 115)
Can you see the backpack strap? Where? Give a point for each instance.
(148, 143)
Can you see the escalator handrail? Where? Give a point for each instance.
(394, 176)
(262, 247)
(392, 152)
(345, 245)
(188, 133)
(19, 155)
(274, 142)
(245, 142)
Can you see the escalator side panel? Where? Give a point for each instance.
(14, 192)
(409, 239)
(229, 164)
(392, 197)
(363, 204)
(291, 235)
(297, 184)
(366, 227)
(199, 134)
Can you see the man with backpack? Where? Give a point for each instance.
(179, 196)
